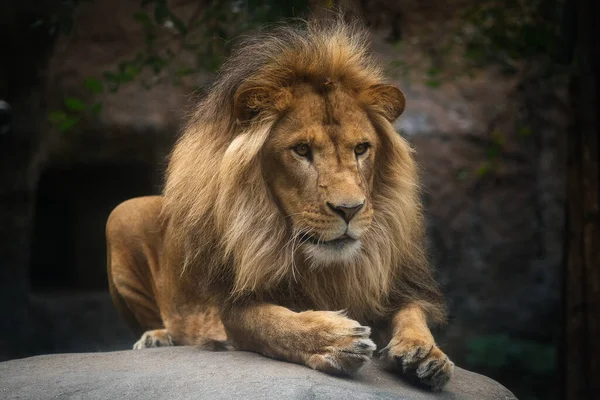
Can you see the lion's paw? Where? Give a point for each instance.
(344, 345)
(421, 361)
(155, 338)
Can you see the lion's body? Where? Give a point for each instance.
(289, 191)
(147, 292)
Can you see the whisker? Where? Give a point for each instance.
(293, 236)
(291, 215)
(306, 235)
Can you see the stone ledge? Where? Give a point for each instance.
(184, 372)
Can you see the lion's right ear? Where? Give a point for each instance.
(251, 101)
(387, 100)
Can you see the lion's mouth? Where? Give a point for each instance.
(338, 242)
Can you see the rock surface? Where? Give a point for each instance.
(183, 372)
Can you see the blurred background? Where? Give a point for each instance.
(94, 92)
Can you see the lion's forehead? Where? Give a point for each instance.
(328, 118)
(329, 105)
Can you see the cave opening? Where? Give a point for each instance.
(72, 206)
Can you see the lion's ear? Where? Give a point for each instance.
(250, 101)
(387, 100)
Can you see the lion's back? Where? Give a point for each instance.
(137, 214)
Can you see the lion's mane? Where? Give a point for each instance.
(222, 222)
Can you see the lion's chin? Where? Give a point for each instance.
(338, 252)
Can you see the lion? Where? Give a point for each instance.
(290, 223)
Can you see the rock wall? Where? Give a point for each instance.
(493, 162)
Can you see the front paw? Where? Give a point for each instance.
(342, 344)
(421, 361)
(154, 338)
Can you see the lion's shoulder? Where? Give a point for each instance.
(138, 215)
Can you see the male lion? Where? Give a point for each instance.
(288, 198)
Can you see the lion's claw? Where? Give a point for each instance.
(421, 361)
(346, 346)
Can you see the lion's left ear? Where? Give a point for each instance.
(387, 100)
(250, 101)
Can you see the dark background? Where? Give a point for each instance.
(501, 102)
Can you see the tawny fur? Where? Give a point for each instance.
(212, 258)
(219, 208)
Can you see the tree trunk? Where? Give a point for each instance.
(582, 274)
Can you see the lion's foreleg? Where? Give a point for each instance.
(413, 351)
(324, 340)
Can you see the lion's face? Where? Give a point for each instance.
(319, 164)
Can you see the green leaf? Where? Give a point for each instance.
(111, 77)
(68, 123)
(178, 23)
(433, 83)
(185, 71)
(497, 137)
(483, 170)
(132, 70)
(156, 63)
(96, 108)
(113, 87)
(128, 71)
(493, 152)
(150, 38)
(161, 12)
(94, 85)
(74, 104)
(57, 116)
(433, 72)
(143, 19)
(525, 131)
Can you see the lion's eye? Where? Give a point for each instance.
(361, 149)
(303, 150)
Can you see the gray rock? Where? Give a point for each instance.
(184, 373)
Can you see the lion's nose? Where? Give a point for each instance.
(347, 212)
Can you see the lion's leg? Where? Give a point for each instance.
(130, 253)
(133, 301)
(324, 340)
(413, 351)
(200, 326)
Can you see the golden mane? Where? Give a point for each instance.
(226, 228)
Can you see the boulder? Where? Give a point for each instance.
(184, 372)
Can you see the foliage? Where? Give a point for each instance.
(502, 32)
(170, 42)
(530, 362)
(509, 31)
(505, 33)
(502, 351)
